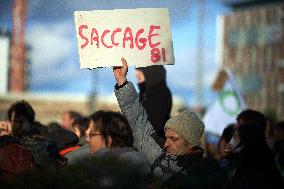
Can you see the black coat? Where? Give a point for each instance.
(156, 97)
(255, 165)
(255, 168)
(197, 173)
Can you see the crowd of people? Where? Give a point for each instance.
(141, 147)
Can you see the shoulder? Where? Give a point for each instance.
(78, 155)
(15, 159)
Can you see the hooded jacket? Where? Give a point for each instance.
(66, 141)
(155, 97)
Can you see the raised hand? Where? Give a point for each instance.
(120, 72)
(5, 128)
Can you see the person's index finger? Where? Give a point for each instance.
(123, 61)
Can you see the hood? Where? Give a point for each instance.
(153, 75)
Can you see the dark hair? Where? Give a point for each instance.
(227, 135)
(24, 128)
(228, 132)
(114, 125)
(81, 124)
(53, 126)
(252, 117)
(23, 111)
(251, 136)
(74, 115)
(23, 122)
(279, 125)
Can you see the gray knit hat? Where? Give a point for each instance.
(188, 125)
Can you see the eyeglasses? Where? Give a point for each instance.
(93, 134)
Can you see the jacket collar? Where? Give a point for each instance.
(185, 160)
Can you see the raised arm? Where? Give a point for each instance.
(120, 72)
(128, 101)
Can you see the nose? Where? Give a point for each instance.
(87, 139)
(167, 143)
(87, 136)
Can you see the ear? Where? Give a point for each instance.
(189, 149)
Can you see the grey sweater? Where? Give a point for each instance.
(128, 101)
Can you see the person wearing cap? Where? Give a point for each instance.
(179, 162)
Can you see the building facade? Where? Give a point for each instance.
(251, 43)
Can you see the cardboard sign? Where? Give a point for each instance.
(142, 36)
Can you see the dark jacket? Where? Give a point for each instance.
(156, 97)
(63, 138)
(15, 159)
(44, 151)
(36, 151)
(197, 172)
(255, 167)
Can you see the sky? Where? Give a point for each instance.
(50, 32)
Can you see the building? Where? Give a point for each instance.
(50, 106)
(251, 43)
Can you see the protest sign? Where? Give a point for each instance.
(142, 36)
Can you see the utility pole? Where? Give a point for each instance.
(93, 94)
(199, 62)
(17, 64)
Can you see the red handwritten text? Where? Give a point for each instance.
(128, 39)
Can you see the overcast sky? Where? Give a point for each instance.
(50, 31)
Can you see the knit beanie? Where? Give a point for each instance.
(188, 125)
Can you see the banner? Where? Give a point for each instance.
(226, 107)
(142, 36)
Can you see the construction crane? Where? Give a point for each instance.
(17, 63)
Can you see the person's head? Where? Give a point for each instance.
(150, 75)
(251, 124)
(21, 110)
(108, 129)
(183, 133)
(278, 130)
(80, 126)
(53, 126)
(252, 117)
(68, 118)
(223, 145)
(22, 118)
